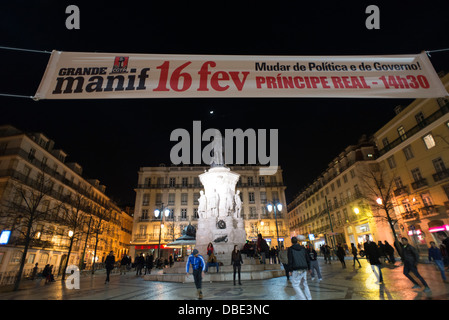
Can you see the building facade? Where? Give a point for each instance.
(414, 149)
(334, 209)
(178, 189)
(30, 166)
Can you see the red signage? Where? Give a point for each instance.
(153, 246)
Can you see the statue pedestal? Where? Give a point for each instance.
(220, 224)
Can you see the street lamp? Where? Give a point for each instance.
(271, 206)
(158, 212)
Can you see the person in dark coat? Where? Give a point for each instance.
(263, 248)
(341, 255)
(140, 262)
(410, 258)
(148, 263)
(382, 252)
(236, 261)
(389, 250)
(372, 255)
(109, 264)
(354, 253)
(123, 264)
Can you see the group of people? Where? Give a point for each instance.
(260, 250)
(141, 262)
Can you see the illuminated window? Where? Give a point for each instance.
(429, 141)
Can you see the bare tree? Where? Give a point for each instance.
(76, 210)
(28, 204)
(98, 227)
(379, 193)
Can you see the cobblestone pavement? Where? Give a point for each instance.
(337, 284)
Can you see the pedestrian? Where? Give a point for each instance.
(109, 264)
(341, 255)
(33, 275)
(170, 260)
(263, 248)
(382, 252)
(148, 263)
(354, 253)
(299, 264)
(372, 255)
(212, 262)
(283, 258)
(236, 261)
(444, 239)
(246, 249)
(140, 262)
(435, 254)
(314, 265)
(46, 273)
(410, 258)
(198, 266)
(123, 264)
(327, 254)
(389, 251)
(52, 276)
(273, 255)
(210, 248)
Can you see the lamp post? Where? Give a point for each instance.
(158, 212)
(271, 206)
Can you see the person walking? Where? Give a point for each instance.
(341, 255)
(33, 275)
(435, 254)
(46, 273)
(314, 265)
(389, 251)
(444, 239)
(123, 264)
(140, 262)
(410, 258)
(327, 254)
(109, 265)
(354, 253)
(236, 261)
(283, 258)
(198, 266)
(149, 263)
(170, 260)
(299, 264)
(382, 252)
(372, 255)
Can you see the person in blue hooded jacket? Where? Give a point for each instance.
(198, 266)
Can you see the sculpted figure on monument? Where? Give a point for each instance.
(238, 204)
(229, 202)
(212, 203)
(202, 205)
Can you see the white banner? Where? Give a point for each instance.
(73, 75)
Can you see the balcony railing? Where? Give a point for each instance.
(400, 191)
(419, 184)
(410, 215)
(440, 175)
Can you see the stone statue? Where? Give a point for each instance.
(238, 204)
(212, 203)
(202, 205)
(229, 202)
(217, 159)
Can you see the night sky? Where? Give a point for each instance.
(112, 139)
